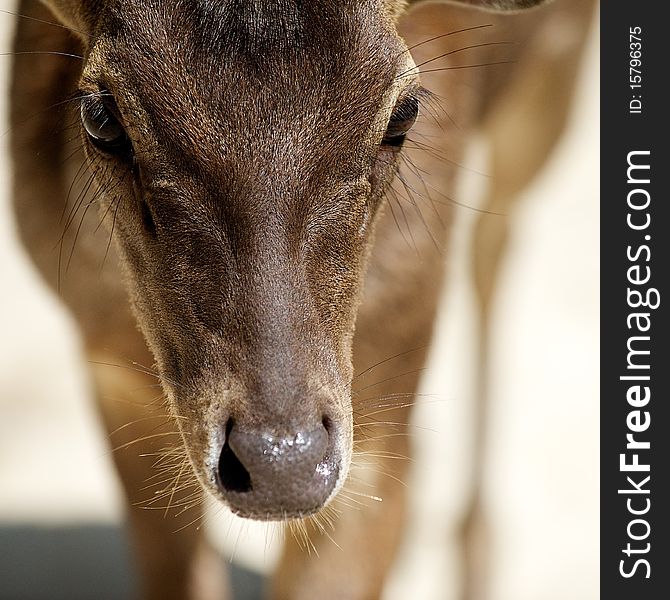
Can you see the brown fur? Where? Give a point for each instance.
(253, 235)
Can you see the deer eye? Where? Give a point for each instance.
(402, 119)
(102, 127)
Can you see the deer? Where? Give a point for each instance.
(249, 202)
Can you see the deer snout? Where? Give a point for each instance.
(271, 477)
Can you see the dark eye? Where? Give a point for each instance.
(402, 119)
(102, 126)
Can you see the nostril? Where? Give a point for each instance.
(327, 424)
(232, 474)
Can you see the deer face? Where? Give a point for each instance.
(244, 148)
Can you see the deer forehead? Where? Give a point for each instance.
(221, 81)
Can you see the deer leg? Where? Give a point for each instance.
(523, 128)
(164, 499)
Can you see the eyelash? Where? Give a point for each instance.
(104, 129)
(403, 117)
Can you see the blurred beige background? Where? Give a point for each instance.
(542, 471)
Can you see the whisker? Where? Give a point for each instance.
(475, 66)
(363, 495)
(135, 366)
(47, 52)
(443, 35)
(44, 21)
(409, 190)
(168, 419)
(144, 439)
(390, 358)
(462, 49)
(387, 379)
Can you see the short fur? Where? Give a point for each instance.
(254, 233)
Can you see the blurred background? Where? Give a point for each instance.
(60, 507)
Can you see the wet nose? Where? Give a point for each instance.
(268, 476)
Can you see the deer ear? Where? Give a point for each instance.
(491, 5)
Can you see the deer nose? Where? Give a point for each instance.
(268, 477)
